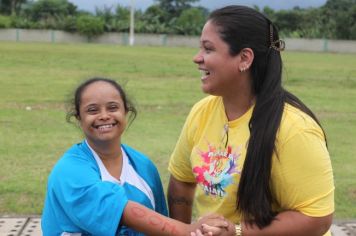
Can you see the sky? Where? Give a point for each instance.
(89, 5)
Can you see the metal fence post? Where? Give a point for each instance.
(17, 35)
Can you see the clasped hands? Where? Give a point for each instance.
(213, 225)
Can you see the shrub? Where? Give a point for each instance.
(5, 22)
(90, 25)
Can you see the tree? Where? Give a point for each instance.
(90, 26)
(45, 9)
(11, 6)
(107, 15)
(174, 8)
(191, 21)
(51, 14)
(153, 21)
(288, 21)
(269, 12)
(339, 18)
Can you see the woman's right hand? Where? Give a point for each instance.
(212, 224)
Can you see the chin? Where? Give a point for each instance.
(208, 90)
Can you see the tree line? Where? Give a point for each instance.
(336, 19)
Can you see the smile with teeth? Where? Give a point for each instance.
(104, 126)
(204, 74)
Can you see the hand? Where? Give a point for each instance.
(208, 230)
(212, 224)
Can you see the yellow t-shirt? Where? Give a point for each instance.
(211, 151)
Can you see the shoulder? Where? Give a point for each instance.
(76, 159)
(79, 152)
(204, 107)
(136, 156)
(207, 103)
(294, 121)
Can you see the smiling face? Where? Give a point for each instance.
(102, 115)
(219, 68)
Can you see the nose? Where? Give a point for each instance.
(104, 115)
(198, 58)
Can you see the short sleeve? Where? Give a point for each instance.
(302, 176)
(179, 165)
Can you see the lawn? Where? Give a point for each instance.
(36, 81)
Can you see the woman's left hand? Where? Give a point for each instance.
(214, 225)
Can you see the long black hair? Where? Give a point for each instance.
(242, 27)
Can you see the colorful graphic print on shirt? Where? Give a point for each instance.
(215, 173)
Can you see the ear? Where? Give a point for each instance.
(246, 59)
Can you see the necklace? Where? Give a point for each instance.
(225, 134)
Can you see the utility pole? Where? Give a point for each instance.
(132, 23)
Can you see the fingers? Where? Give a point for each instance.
(199, 233)
(212, 230)
(222, 223)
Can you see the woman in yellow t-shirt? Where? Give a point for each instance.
(250, 151)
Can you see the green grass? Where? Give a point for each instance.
(164, 84)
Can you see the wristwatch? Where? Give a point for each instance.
(238, 230)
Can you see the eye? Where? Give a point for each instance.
(113, 107)
(92, 110)
(208, 49)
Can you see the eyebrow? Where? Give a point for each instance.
(205, 41)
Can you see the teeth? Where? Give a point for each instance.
(204, 72)
(102, 127)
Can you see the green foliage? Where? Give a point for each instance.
(153, 21)
(23, 23)
(115, 21)
(11, 7)
(47, 14)
(107, 15)
(174, 8)
(69, 23)
(51, 9)
(5, 21)
(122, 19)
(339, 17)
(90, 25)
(335, 20)
(184, 22)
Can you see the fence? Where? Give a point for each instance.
(57, 36)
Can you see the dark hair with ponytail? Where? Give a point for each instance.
(242, 27)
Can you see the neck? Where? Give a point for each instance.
(106, 150)
(238, 98)
(236, 106)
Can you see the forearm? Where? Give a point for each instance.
(291, 223)
(144, 220)
(180, 200)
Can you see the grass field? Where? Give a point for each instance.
(36, 80)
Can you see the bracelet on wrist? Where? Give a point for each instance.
(238, 230)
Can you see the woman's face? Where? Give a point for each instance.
(102, 113)
(219, 69)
